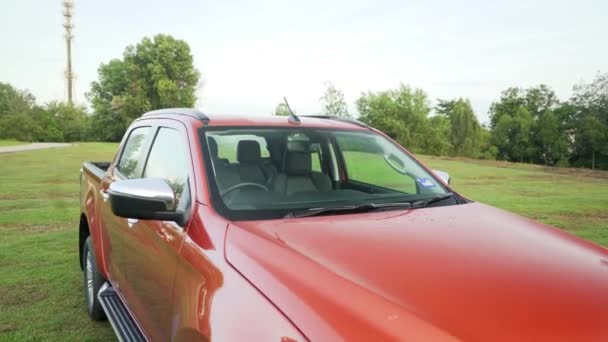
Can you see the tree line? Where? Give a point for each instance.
(21, 118)
(526, 125)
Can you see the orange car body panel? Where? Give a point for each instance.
(463, 272)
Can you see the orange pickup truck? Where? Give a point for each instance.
(316, 228)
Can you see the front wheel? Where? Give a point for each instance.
(92, 281)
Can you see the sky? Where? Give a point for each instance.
(252, 53)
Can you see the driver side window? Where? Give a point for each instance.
(169, 160)
(366, 165)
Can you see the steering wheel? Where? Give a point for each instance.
(242, 185)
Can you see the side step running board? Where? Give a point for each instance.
(123, 324)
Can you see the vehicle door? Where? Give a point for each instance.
(128, 165)
(152, 248)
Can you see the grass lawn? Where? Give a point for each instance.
(41, 295)
(41, 291)
(5, 143)
(575, 200)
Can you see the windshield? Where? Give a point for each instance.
(262, 173)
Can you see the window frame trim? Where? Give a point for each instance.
(216, 202)
(157, 124)
(145, 151)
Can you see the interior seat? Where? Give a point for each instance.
(250, 167)
(225, 174)
(299, 176)
(215, 155)
(274, 159)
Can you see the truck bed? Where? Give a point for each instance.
(96, 169)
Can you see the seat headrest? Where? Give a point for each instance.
(299, 163)
(298, 146)
(248, 152)
(213, 148)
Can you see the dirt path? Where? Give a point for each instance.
(33, 146)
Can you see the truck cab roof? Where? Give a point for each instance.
(191, 114)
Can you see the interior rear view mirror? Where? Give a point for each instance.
(396, 163)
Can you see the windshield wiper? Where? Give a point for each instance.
(361, 208)
(429, 201)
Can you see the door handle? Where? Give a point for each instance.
(131, 222)
(104, 195)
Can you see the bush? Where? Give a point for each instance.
(18, 126)
(22, 119)
(562, 163)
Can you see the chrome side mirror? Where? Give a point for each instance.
(146, 199)
(443, 175)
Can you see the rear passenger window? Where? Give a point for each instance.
(132, 153)
(168, 160)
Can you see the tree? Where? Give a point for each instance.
(486, 149)
(333, 102)
(551, 138)
(526, 128)
(437, 136)
(282, 110)
(590, 123)
(156, 73)
(521, 150)
(510, 101)
(465, 130)
(547, 134)
(540, 99)
(401, 113)
(15, 101)
(72, 121)
(16, 108)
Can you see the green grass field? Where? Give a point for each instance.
(5, 143)
(41, 296)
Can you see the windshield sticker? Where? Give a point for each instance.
(425, 182)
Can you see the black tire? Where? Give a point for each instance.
(93, 305)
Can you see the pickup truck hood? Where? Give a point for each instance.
(468, 272)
